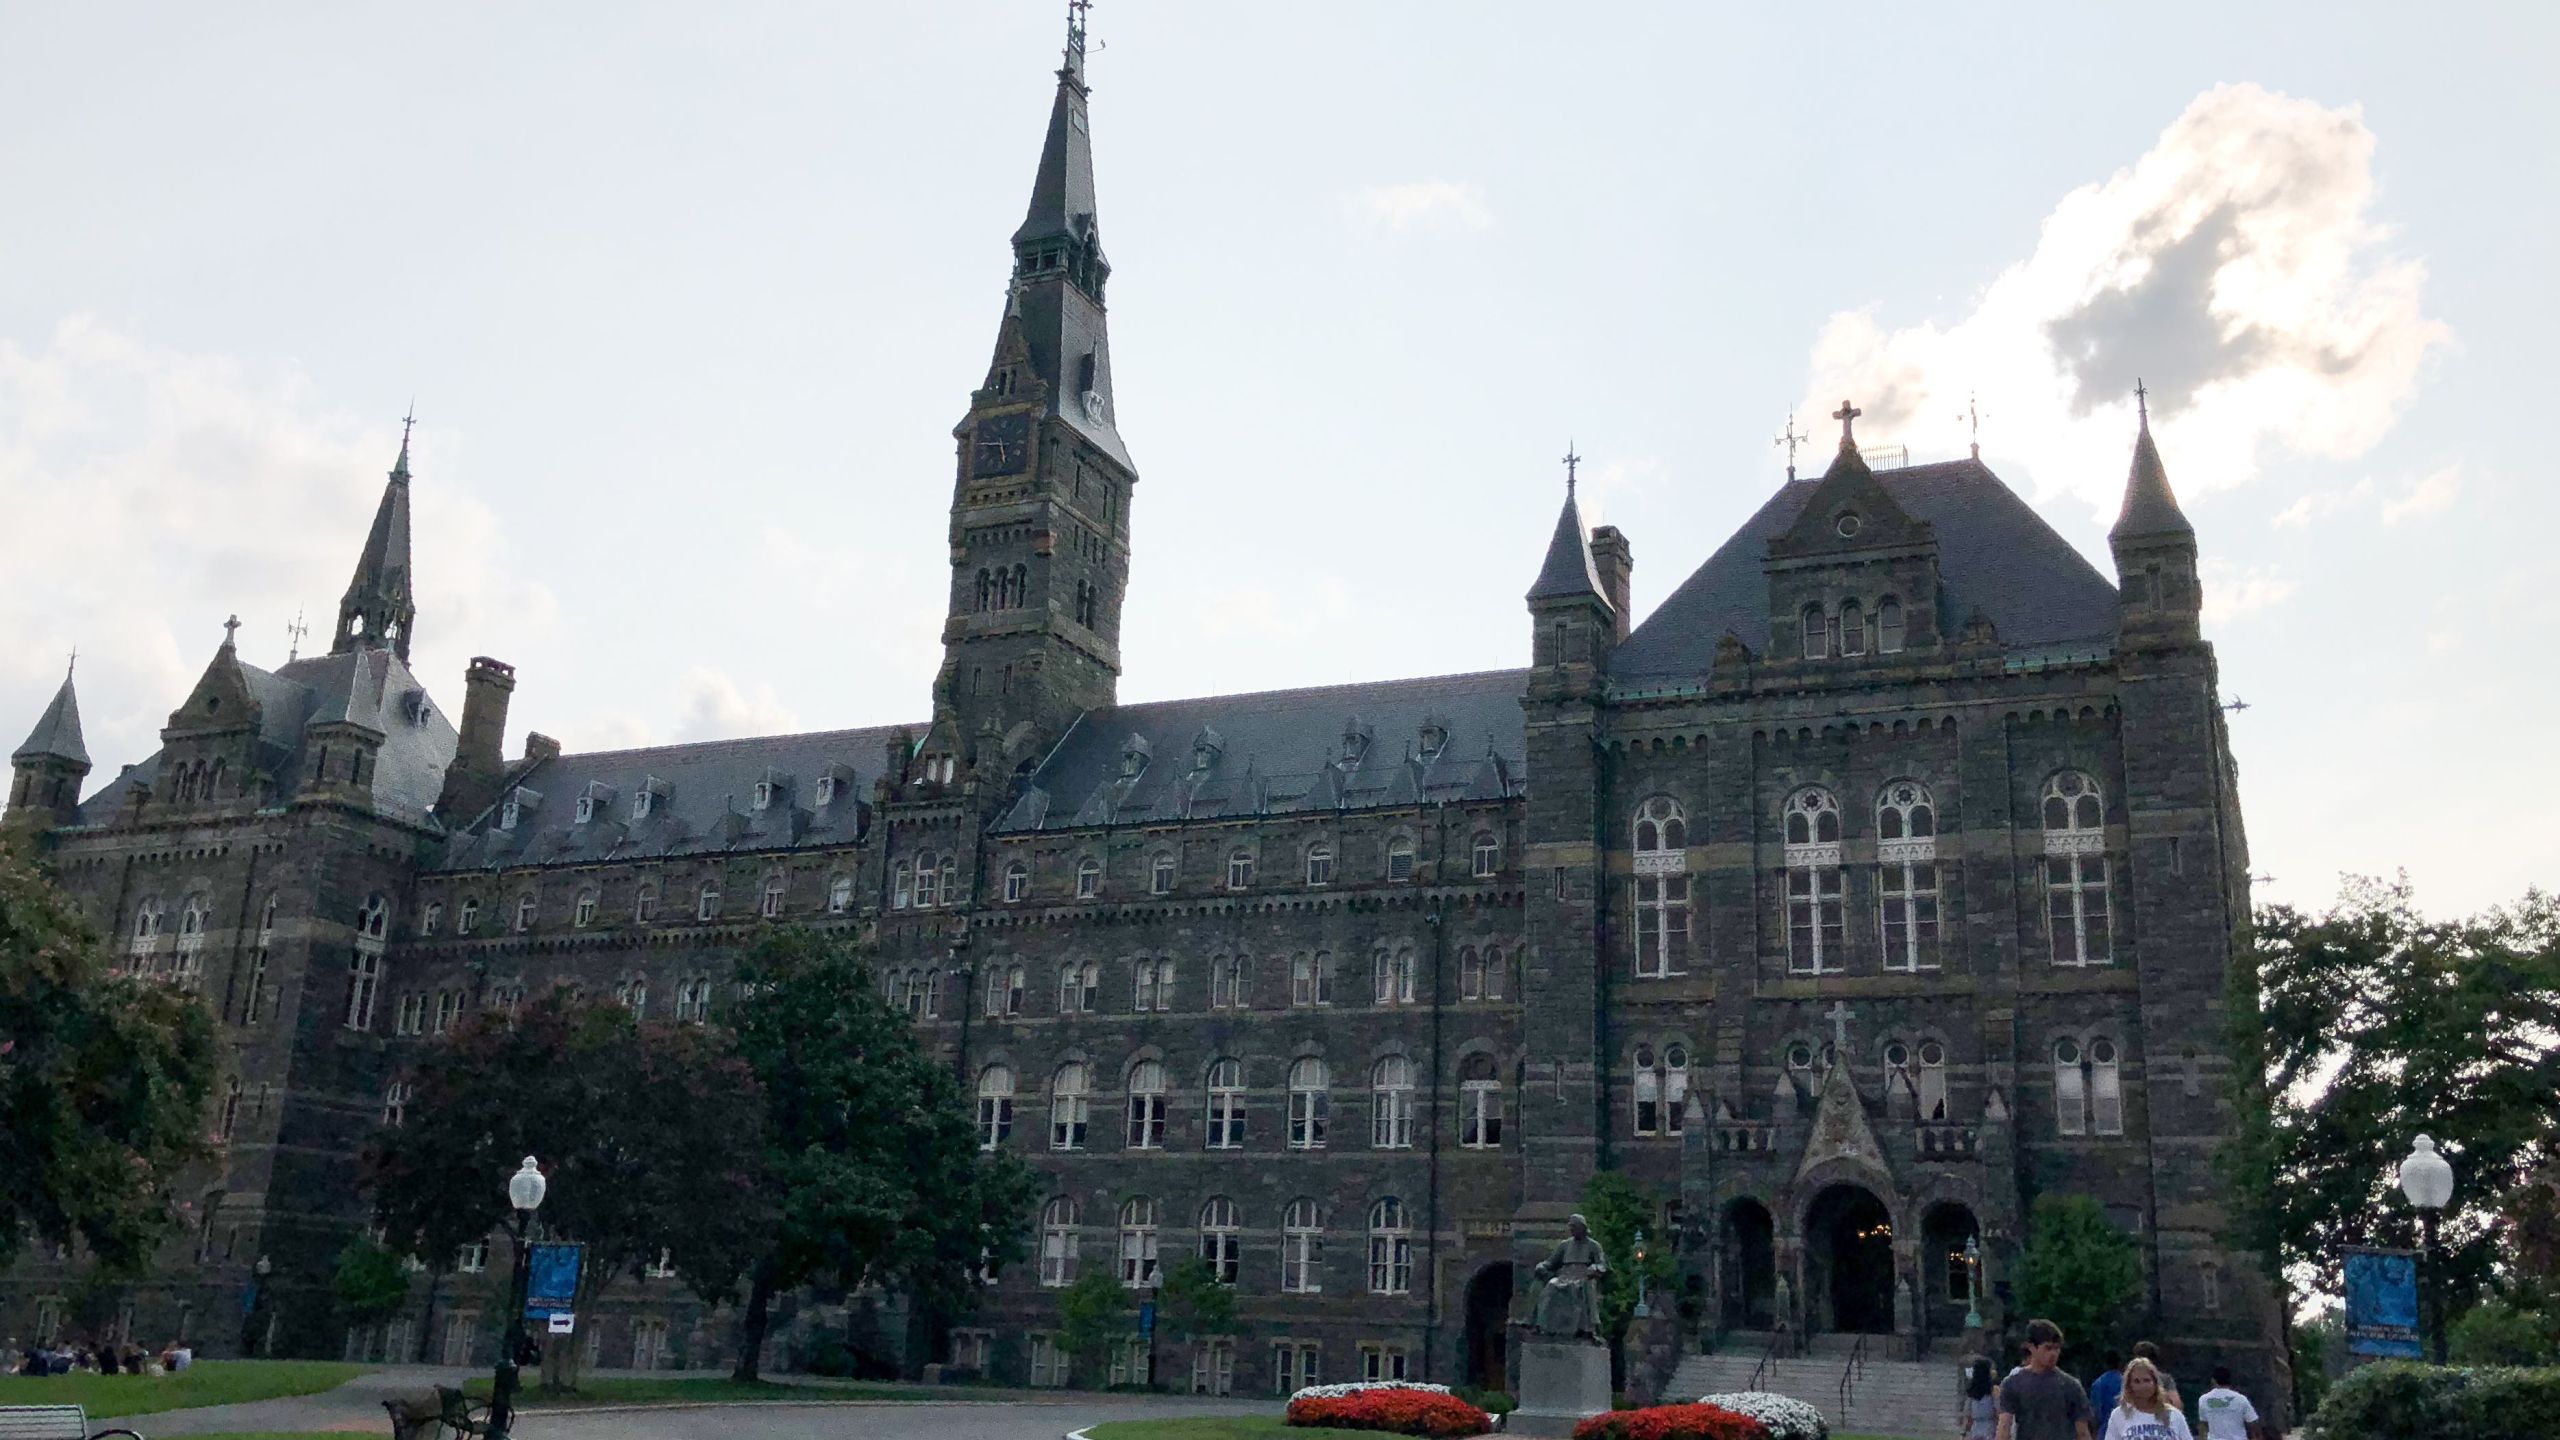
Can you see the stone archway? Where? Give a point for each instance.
(1749, 1267)
(1849, 1265)
(1488, 1313)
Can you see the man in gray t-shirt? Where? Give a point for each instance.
(2039, 1401)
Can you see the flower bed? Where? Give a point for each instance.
(1393, 1407)
(1672, 1422)
(1785, 1419)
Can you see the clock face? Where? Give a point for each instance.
(1003, 445)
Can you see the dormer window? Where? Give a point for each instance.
(1133, 757)
(1206, 747)
(1435, 738)
(640, 802)
(509, 813)
(1355, 742)
(586, 809)
(764, 794)
(826, 790)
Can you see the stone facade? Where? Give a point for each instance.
(1884, 879)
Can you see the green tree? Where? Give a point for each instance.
(104, 1082)
(1191, 1304)
(2379, 1026)
(2078, 1270)
(372, 1285)
(1093, 1314)
(2494, 1332)
(652, 1138)
(1616, 1207)
(871, 1167)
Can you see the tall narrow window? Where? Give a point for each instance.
(1907, 875)
(1320, 863)
(1812, 628)
(1661, 888)
(1088, 878)
(1390, 1248)
(1311, 979)
(1890, 628)
(1069, 1099)
(1004, 988)
(644, 903)
(1853, 629)
(776, 890)
(1221, 1239)
(1017, 883)
(1487, 852)
(1470, 973)
(1302, 1249)
(2075, 858)
(995, 1106)
(902, 885)
(1160, 873)
(1648, 1092)
(1146, 1106)
(1240, 870)
(1058, 1243)
(1391, 1104)
(583, 914)
(2106, 1089)
(1675, 1087)
(1933, 1081)
(1816, 922)
(1394, 973)
(1138, 1242)
(706, 901)
(839, 894)
(1479, 1104)
(1400, 858)
(2070, 1089)
(1310, 1104)
(1226, 1104)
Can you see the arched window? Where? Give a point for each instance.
(1853, 629)
(1816, 921)
(1311, 979)
(1005, 984)
(1146, 1106)
(1310, 1104)
(1088, 878)
(430, 918)
(902, 885)
(1320, 863)
(1400, 858)
(1907, 875)
(985, 585)
(2106, 1089)
(1890, 629)
(528, 909)
(776, 889)
(1390, 1248)
(1079, 988)
(1153, 983)
(583, 914)
(1017, 883)
(146, 927)
(1470, 973)
(2077, 918)
(1137, 1242)
(373, 922)
(1391, 1104)
(839, 894)
(1394, 974)
(1479, 1104)
(1302, 1248)
(1058, 1243)
(1221, 1239)
(1226, 1104)
(1648, 1091)
(1487, 850)
(644, 903)
(1240, 869)
(1661, 888)
(467, 918)
(706, 903)
(2070, 1089)
(1160, 873)
(1812, 627)
(1069, 1098)
(1933, 1081)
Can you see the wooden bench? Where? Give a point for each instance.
(53, 1422)
(419, 1418)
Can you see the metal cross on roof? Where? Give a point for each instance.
(1838, 1015)
(1572, 467)
(230, 631)
(1973, 417)
(1791, 440)
(1847, 414)
(407, 421)
(2142, 400)
(295, 632)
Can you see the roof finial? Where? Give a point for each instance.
(230, 632)
(1572, 469)
(295, 632)
(1973, 417)
(1847, 415)
(1791, 440)
(2142, 401)
(73, 668)
(1075, 36)
(400, 467)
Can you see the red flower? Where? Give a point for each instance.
(1395, 1412)
(1672, 1422)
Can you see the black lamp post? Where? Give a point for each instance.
(255, 1308)
(524, 1193)
(2427, 1179)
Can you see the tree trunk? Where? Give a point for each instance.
(427, 1322)
(751, 1329)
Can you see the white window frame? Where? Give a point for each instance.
(777, 892)
(1816, 901)
(1402, 863)
(1139, 1234)
(1486, 852)
(1302, 1248)
(839, 893)
(1391, 1104)
(2079, 910)
(1393, 975)
(1059, 1243)
(1017, 883)
(1479, 1104)
(1070, 1106)
(1663, 923)
(995, 1106)
(1240, 868)
(583, 913)
(1390, 1248)
(706, 901)
(1319, 866)
(1146, 1092)
(1310, 1103)
(1161, 873)
(1226, 1104)
(1088, 878)
(1910, 906)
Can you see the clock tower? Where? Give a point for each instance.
(1040, 500)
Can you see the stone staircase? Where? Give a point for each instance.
(1915, 1400)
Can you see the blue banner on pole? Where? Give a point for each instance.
(2382, 1303)
(551, 1279)
(1147, 1317)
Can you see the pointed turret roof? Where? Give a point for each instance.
(2150, 507)
(1568, 571)
(1062, 200)
(379, 593)
(57, 732)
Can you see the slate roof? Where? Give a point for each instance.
(1284, 752)
(1995, 554)
(2150, 507)
(372, 688)
(57, 732)
(1568, 570)
(703, 801)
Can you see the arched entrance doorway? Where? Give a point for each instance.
(1946, 1278)
(1488, 1311)
(1848, 1248)
(1749, 1267)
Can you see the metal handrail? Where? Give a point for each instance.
(1849, 1375)
(1768, 1357)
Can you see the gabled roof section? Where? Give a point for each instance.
(1335, 747)
(1567, 572)
(2150, 507)
(1995, 554)
(1848, 493)
(57, 733)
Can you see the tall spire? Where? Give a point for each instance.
(2150, 507)
(57, 733)
(378, 611)
(1568, 570)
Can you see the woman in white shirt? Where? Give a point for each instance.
(2143, 1413)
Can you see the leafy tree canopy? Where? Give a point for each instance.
(371, 1282)
(104, 1082)
(2078, 1270)
(1092, 1314)
(1616, 1207)
(1191, 1303)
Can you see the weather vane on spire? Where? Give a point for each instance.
(2142, 402)
(1075, 35)
(1572, 468)
(1973, 417)
(1847, 415)
(70, 669)
(295, 632)
(1789, 438)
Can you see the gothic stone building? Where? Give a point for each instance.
(1885, 878)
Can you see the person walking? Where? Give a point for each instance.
(2039, 1401)
(2150, 1350)
(2227, 1414)
(1979, 1419)
(2143, 1411)
(2108, 1388)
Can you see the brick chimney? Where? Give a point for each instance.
(479, 757)
(1617, 562)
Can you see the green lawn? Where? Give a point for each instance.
(633, 1390)
(206, 1382)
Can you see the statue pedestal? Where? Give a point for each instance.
(1562, 1383)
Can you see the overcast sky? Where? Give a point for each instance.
(689, 298)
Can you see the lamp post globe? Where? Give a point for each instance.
(525, 1189)
(2427, 1179)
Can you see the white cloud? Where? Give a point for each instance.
(716, 709)
(2234, 268)
(1417, 202)
(2321, 504)
(2432, 495)
(150, 493)
(2230, 592)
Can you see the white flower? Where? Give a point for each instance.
(1787, 1419)
(1331, 1392)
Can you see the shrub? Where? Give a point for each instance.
(1672, 1422)
(2425, 1402)
(1785, 1419)
(2494, 1332)
(1394, 1408)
